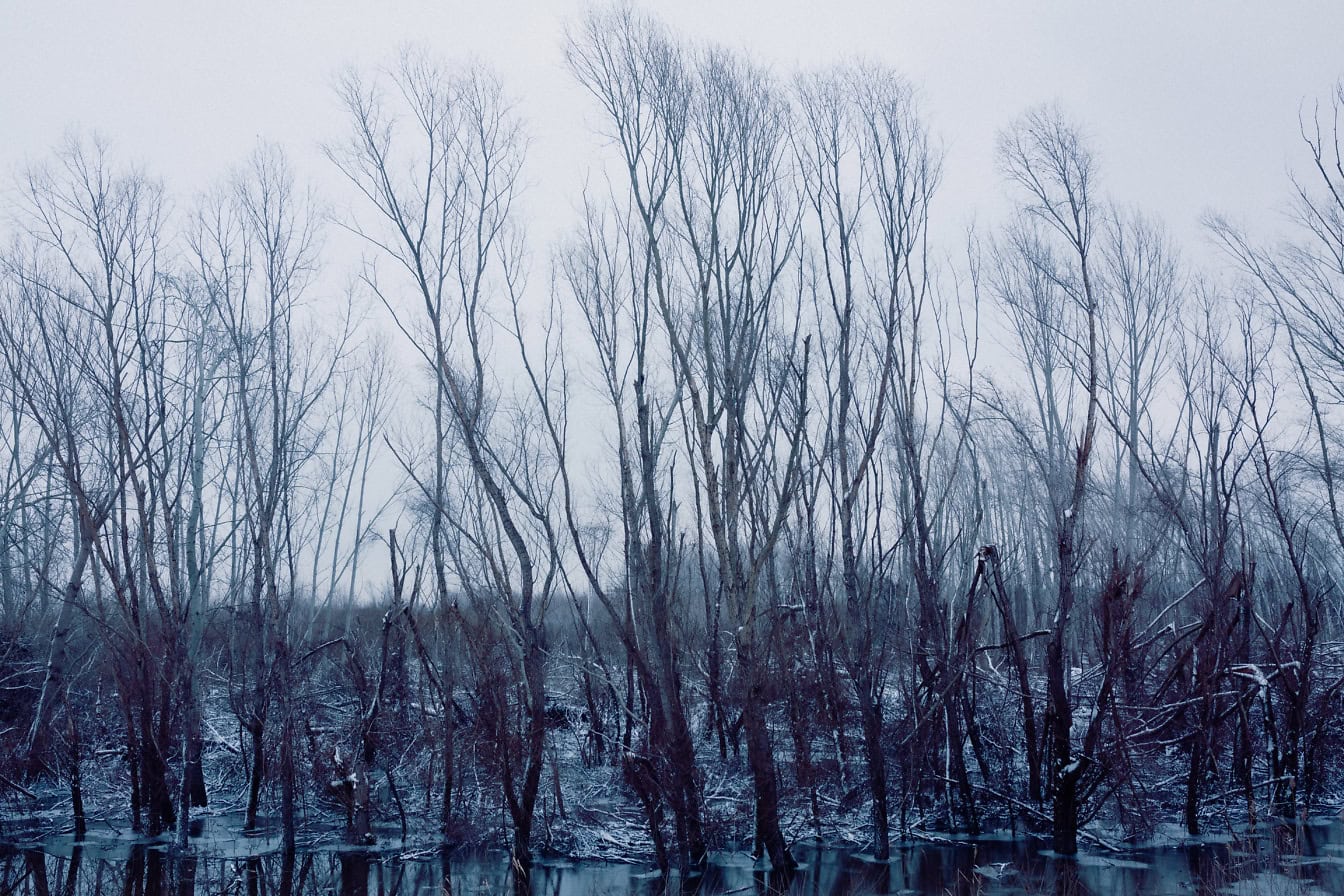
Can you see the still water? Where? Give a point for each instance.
(1302, 860)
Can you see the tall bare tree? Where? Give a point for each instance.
(255, 245)
(703, 141)
(607, 271)
(1046, 158)
(437, 155)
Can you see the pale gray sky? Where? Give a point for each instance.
(1192, 104)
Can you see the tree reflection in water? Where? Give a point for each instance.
(114, 869)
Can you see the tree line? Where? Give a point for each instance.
(757, 480)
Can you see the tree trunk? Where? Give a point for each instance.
(761, 760)
(1192, 786)
(449, 766)
(1064, 824)
(255, 730)
(288, 785)
(53, 683)
(871, 712)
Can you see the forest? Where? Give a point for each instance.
(745, 515)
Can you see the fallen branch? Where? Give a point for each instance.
(1018, 640)
(19, 787)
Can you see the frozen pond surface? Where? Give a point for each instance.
(1306, 860)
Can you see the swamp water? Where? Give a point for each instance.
(1303, 860)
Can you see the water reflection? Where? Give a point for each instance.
(1297, 861)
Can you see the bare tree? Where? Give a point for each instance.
(1046, 158)
(1302, 279)
(439, 166)
(870, 174)
(607, 271)
(102, 299)
(255, 248)
(43, 324)
(1145, 285)
(702, 138)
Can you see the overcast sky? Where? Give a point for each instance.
(1192, 105)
